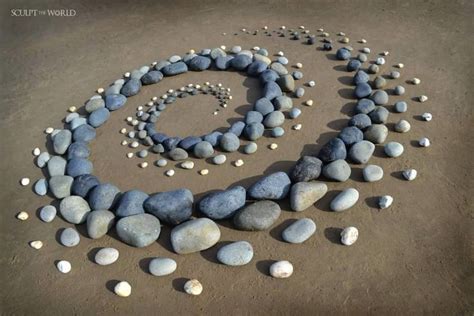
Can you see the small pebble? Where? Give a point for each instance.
(143, 164)
(188, 165)
(402, 126)
(239, 163)
(297, 127)
(36, 151)
(410, 174)
(385, 53)
(130, 155)
(400, 65)
(415, 81)
(37, 244)
(25, 181)
(250, 148)
(219, 159)
(204, 172)
(100, 90)
(422, 98)
(72, 109)
(161, 162)
(22, 216)
(123, 131)
(124, 143)
(123, 289)
(424, 142)
(427, 116)
(281, 269)
(193, 287)
(49, 130)
(385, 201)
(170, 173)
(273, 146)
(106, 256)
(349, 236)
(299, 65)
(47, 213)
(64, 266)
(311, 83)
(363, 41)
(309, 102)
(380, 61)
(134, 144)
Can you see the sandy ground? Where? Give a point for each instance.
(416, 257)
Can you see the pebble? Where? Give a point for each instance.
(337, 170)
(380, 82)
(123, 289)
(273, 146)
(399, 90)
(64, 266)
(74, 209)
(204, 172)
(223, 204)
(307, 168)
(239, 163)
(281, 269)
(372, 173)
(294, 113)
(172, 207)
(376, 133)
(47, 213)
(193, 287)
(162, 266)
(351, 135)
(139, 230)
(415, 81)
(229, 142)
(72, 109)
(49, 130)
(299, 92)
(334, 149)
(424, 142)
(427, 116)
(142, 153)
(345, 200)
(69, 237)
(304, 194)
(235, 254)
(311, 83)
(394, 74)
(362, 90)
(380, 61)
(297, 127)
(393, 149)
(130, 203)
(349, 235)
(380, 97)
(36, 244)
(257, 216)
(36, 151)
(106, 256)
(161, 162)
(299, 231)
(402, 126)
(275, 186)
(22, 216)
(170, 173)
(130, 155)
(25, 181)
(423, 98)
(410, 174)
(401, 106)
(195, 235)
(309, 102)
(278, 132)
(188, 165)
(385, 201)
(99, 223)
(41, 187)
(250, 148)
(365, 106)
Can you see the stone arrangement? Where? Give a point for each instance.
(137, 216)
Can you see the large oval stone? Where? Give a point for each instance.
(195, 235)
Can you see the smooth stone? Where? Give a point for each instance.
(83, 184)
(195, 235)
(78, 150)
(361, 152)
(178, 154)
(161, 64)
(175, 58)
(286, 83)
(373, 69)
(138, 230)
(299, 231)
(353, 65)
(281, 269)
(278, 132)
(189, 142)
(299, 92)
(409, 174)
(264, 106)
(84, 133)
(240, 62)
(69, 237)
(393, 149)
(41, 187)
(402, 126)
(385, 201)
(217, 52)
(193, 287)
(171, 143)
(350, 135)
(223, 204)
(372, 173)
(70, 117)
(253, 117)
(380, 82)
(269, 75)
(250, 148)
(235, 254)
(360, 77)
(61, 141)
(123, 289)
(48, 213)
(74, 209)
(254, 131)
(213, 138)
(219, 159)
(362, 90)
(43, 159)
(307, 168)
(171, 207)
(203, 150)
(142, 153)
(237, 128)
(60, 186)
(338, 170)
(379, 115)
(56, 166)
(174, 69)
(229, 142)
(99, 223)
(275, 186)
(365, 106)
(343, 54)
(271, 90)
(344, 200)
(199, 63)
(98, 117)
(162, 266)
(379, 97)
(282, 103)
(161, 162)
(304, 194)
(131, 203)
(361, 121)
(257, 216)
(349, 236)
(333, 150)
(274, 119)
(106, 256)
(131, 87)
(152, 77)
(297, 75)
(78, 166)
(94, 104)
(256, 68)
(223, 62)
(103, 196)
(401, 107)
(399, 90)
(376, 133)
(279, 68)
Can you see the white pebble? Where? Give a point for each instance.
(127, 74)
(385, 201)
(380, 61)
(193, 287)
(72, 109)
(311, 83)
(36, 151)
(415, 81)
(239, 163)
(281, 54)
(424, 142)
(64, 266)
(143, 164)
(273, 146)
(349, 236)
(283, 27)
(123, 131)
(297, 127)
(204, 172)
(422, 98)
(321, 30)
(37, 244)
(139, 108)
(123, 289)
(281, 269)
(25, 181)
(427, 116)
(385, 53)
(187, 165)
(309, 102)
(129, 119)
(135, 122)
(161, 162)
(400, 65)
(299, 65)
(49, 130)
(366, 50)
(215, 113)
(22, 216)
(255, 48)
(129, 155)
(134, 144)
(410, 174)
(124, 143)
(170, 173)
(341, 34)
(363, 41)
(100, 90)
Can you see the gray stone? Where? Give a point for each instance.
(139, 230)
(305, 194)
(74, 209)
(178, 154)
(254, 131)
(282, 103)
(41, 187)
(287, 83)
(380, 97)
(299, 231)
(69, 237)
(365, 106)
(393, 149)
(253, 117)
(162, 266)
(131, 203)
(380, 82)
(60, 186)
(223, 204)
(103, 196)
(379, 115)
(94, 104)
(361, 152)
(345, 200)
(376, 133)
(61, 141)
(362, 90)
(195, 235)
(279, 68)
(264, 106)
(275, 186)
(203, 150)
(229, 142)
(235, 254)
(372, 173)
(401, 107)
(106, 256)
(399, 90)
(307, 168)
(299, 92)
(350, 135)
(171, 207)
(47, 213)
(257, 216)
(338, 170)
(99, 222)
(250, 148)
(334, 149)
(43, 159)
(274, 119)
(361, 121)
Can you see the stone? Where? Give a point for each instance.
(235, 254)
(427, 116)
(269, 75)
(402, 126)
(393, 149)
(162, 266)
(353, 65)
(219, 159)
(78, 150)
(360, 77)
(365, 106)
(131, 87)
(253, 117)
(178, 154)
(344, 200)
(78, 166)
(229, 142)
(193, 287)
(161, 162)
(69, 237)
(61, 141)
(286, 83)
(275, 186)
(376, 133)
(131, 203)
(47, 213)
(99, 223)
(36, 244)
(213, 138)
(257, 216)
(399, 90)
(83, 184)
(349, 236)
(74, 209)
(379, 82)
(282, 103)
(264, 106)
(106, 256)
(123, 289)
(401, 107)
(174, 69)
(240, 62)
(84, 133)
(203, 150)
(271, 90)
(139, 230)
(424, 142)
(41, 187)
(379, 115)
(409, 174)
(373, 69)
(237, 128)
(379, 97)
(299, 92)
(343, 54)
(94, 103)
(171, 207)
(385, 201)
(250, 148)
(307, 168)
(64, 266)
(278, 132)
(299, 231)
(199, 63)
(43, 159)
(281, 269)
(223, 62)
(361, 152)
(60, 186)
(362, 90)
(304, 194)
(337, 170)
(256, 68)
(223, 204)
(361, 121)
(274, 119)
(103, 196)
(152, 77)
(279, 68)
(189, 142)
(334, 149)
(254, 131)
(56, 166)
(372, 173)
(351, 135)
(195, 235)
(98, 117)
(188, 165)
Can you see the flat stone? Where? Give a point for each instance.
(162, 266)
(223, 204)
(69, 237)
(60, 186)
(195, 235)
(275, 186)
(305, 194)
(235, 254)
(48, 213)
(372, 173)
(171, 207)
(178, 154)
(257, 216)
(106, 256)
(299, 231)
(345, 200)
(393, 149)
(139, 230)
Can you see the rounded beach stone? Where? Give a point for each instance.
(376, 133)
(402, 126)
(115, 101)
(333, 150)
(103, 196)
(123, 289)
(64, 266)
(253, 117)
(271, 90)
(365, 106)
(409, 174)
(401, 106)
(281, 269)
(305, 194)
(162, 266)
(43, 159)
(83, 184)
(195, 235)
(219, 159)
(193, 287)
(307, 168)
(275, 186)
(287, 83)
(99, 223)
(399, 90)
(361, 121)
(56, 166)
(84, 133)
(362, 90)
(254, 131)
(94, 103)
(78, 150)
(338, 170)
(139, 230)
(203, 150)
(74, 209)
(98, 117)
(131, 87)
(47, 213)
(61, 141)
(393, 149)
(223, 204)
(257, 216)
(171, 207)
(385, 201)
(379, 82)
(294, 113)
(360, 77)
(60, 186)
(237, 128)
(349, 236)
(274, 119)
(299, 231)
(229, 142)
(78, 166)
(69, 237)
(343, 54)
(250, 148)
(235, 254)
(282, 103)
(345, 200)
(41, 187)
(131, 203)
(372, 173)
(264, 106)
(178, 154)
(350, 135)
(106, 256)
(380, 97)
(361, 152)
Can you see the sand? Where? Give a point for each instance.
(415, 257)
